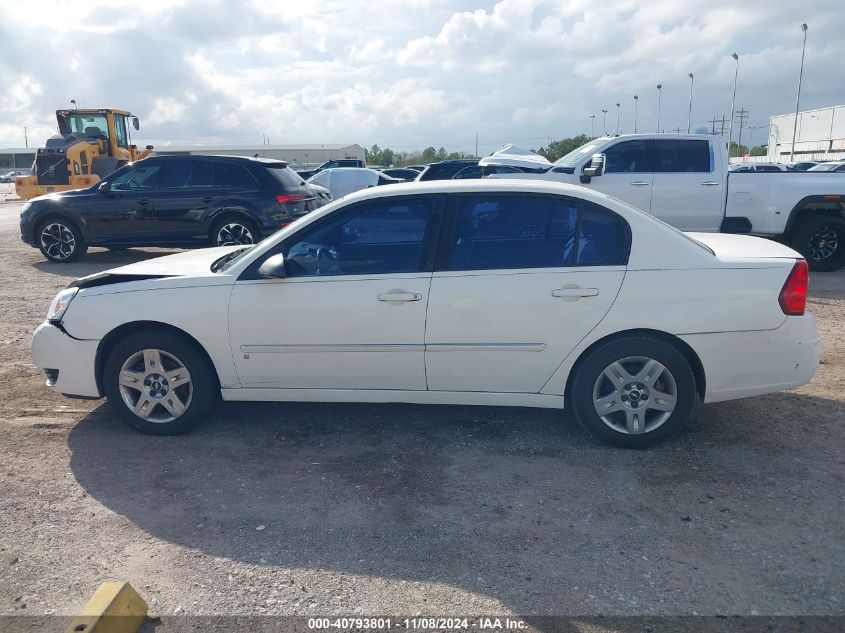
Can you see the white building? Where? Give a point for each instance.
(820, 135)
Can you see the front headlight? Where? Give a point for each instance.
(60, 304)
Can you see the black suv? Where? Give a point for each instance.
(182, 201)
(465, 168)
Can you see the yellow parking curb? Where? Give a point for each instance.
(114, 608)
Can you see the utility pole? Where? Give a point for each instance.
(592, 127)
(618, 113)
(713, 123)
(798, 97)
(742, 115)
(25, 137)
(476, 144)
(604, 121)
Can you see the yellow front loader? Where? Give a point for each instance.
(90, 144)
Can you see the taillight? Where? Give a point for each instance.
(793, 295)
(284, 198)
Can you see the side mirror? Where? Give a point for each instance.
(104, 187)
(135, 123)
(596, 167)
(273, 267)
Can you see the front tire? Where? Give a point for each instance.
(60, 240)
(234, 232)
(821, 240)
(634, 392)
(158, 383)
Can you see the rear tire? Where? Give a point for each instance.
(821, 240)
(233, 231)
(643, 386)
(60, 240)
(159, 383)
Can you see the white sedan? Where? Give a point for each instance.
(507, 293)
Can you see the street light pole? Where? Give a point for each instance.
(689, 114)
(659, 96)
(798, 98)
(618, 113)
(604, 121)
(733, 103)
(636, 101)
(592, 126)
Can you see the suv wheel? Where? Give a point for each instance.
(158, 383)
(60, 241)
(233, 232)
(634, 392)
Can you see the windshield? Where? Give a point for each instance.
(94, 125)
(575, 156)
(824, 167)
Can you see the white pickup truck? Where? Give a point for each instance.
(683, 179)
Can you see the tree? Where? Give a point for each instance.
(760, 150)
(737, 150)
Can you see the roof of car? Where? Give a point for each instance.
(227, 157)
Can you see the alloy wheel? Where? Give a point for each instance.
(234, 234)
(57, 241)
(824, 244)
(635, 395)
(155, 385)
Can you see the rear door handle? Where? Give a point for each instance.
(399, 296)
(207, 199)
(573, 293)
(710, 183)
(144, 201)
(640, 183)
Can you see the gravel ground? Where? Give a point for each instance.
(396, 509)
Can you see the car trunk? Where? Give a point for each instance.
(728, 246)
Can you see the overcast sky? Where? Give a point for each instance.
(411, 73)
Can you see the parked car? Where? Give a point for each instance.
(835, 166)
(345, 180)
(331, 164)
(464, 169)
(182, 201)
(402, 173)
(417, 168)
(802, 165)
(487, 292)
(683, 180)
(8, 176)
(758, 167)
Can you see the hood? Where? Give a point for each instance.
(194, 263)
(514, 156)
(70, 193)
(731, 246)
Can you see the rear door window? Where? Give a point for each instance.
(682, 156)
(514, 232)
(284, 175)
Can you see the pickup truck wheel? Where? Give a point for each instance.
(633, 392)
(821, 240)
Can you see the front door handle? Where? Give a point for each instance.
(399, 296)
(573, 293)
(640, 183)
(710, 183)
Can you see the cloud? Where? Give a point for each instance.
(408, 74)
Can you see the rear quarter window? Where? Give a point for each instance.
(681, 156)
(284, 175)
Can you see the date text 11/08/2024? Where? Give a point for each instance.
(418, 623)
